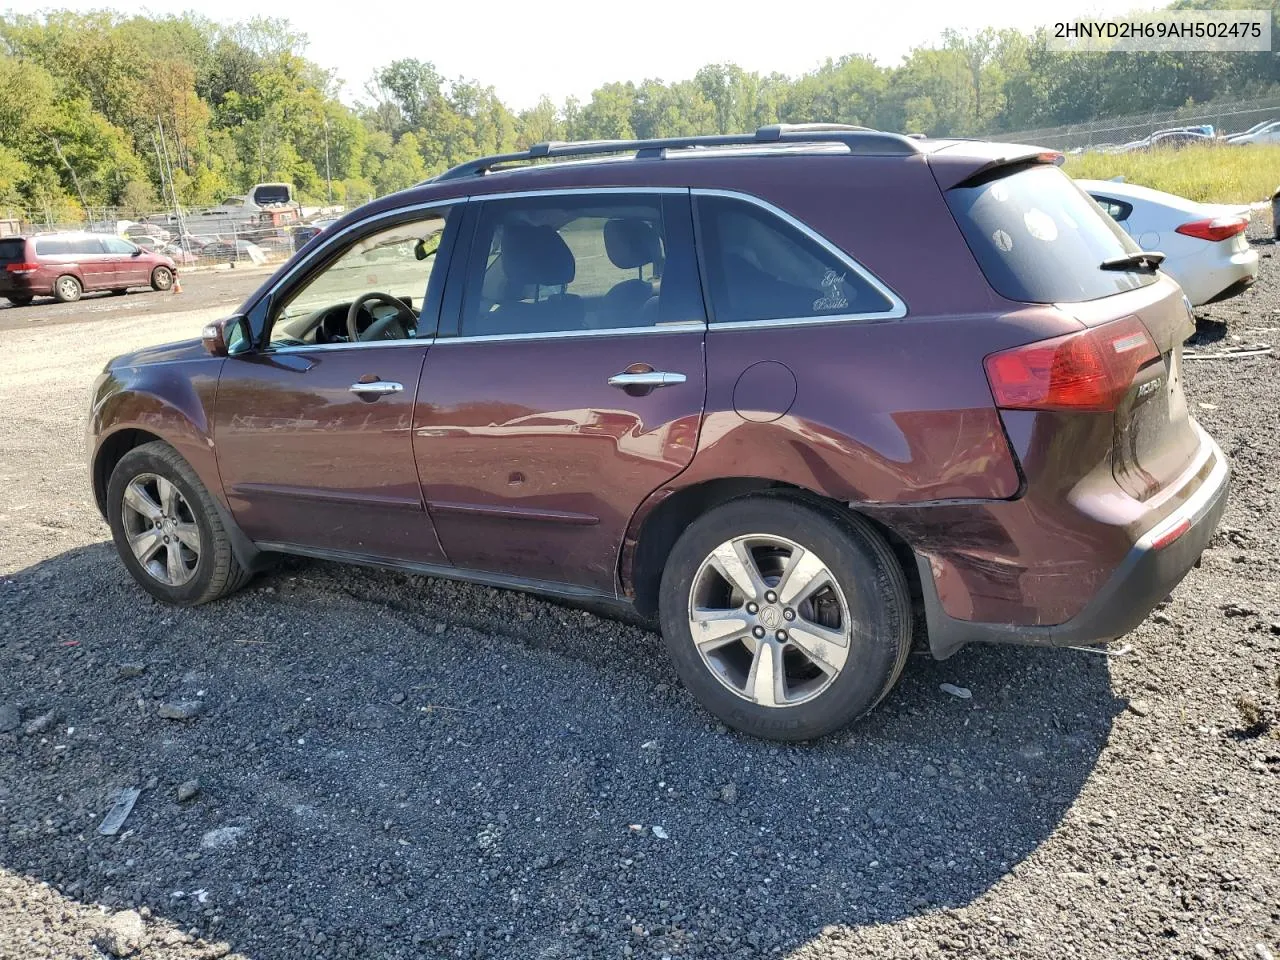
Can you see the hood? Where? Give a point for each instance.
(162, 353)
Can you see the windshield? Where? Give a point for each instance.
(1040, 239)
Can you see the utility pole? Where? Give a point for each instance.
(328, 178)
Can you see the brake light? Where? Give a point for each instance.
(21, 267)
(1218, 228)
(1087, 371)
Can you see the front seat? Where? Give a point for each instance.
(631, 243)
(535, 256)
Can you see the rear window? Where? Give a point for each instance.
(1039, 239)
(272, 193)
(13, 251)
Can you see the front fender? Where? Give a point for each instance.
(172, 402)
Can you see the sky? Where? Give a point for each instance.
(527, 48)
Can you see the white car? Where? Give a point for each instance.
(1205, 244)
(1258, 133)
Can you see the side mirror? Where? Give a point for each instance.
(226, 337)
(137, 252)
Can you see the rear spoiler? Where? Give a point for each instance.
(968, 163)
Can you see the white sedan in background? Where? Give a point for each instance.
(1205, 244)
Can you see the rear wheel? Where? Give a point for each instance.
(67, 289)
(20, 301)
(786, 620)
(161, 278)
(167, 528)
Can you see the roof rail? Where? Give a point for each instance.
(859, 140)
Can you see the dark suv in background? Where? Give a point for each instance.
(787, 392)
(66, 265)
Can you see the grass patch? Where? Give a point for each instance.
(1213, 173)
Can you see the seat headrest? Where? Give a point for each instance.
(631, 242)
(534, 253)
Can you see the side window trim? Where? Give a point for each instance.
(303, 271)
(898, 308)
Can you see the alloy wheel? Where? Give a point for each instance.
(769, 620)
(161, 529)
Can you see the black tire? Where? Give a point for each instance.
(20, 301)
(860, 562)
(67, 289)
(161, 279)
(217, 572)
(119, 292)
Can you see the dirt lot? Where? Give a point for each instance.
(390, 766)
(223, 288)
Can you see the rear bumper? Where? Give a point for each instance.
(1145, 577)
(1212, 276)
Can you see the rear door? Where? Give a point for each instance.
(570, 386)
(97, 267)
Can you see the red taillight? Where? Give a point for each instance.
(1088, 371)
(21, 267)
(1172, 534)
(1218, 228)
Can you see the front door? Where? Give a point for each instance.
(131, 269)
(567, 384)
(313, 430)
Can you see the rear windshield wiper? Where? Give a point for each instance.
(1142, 260)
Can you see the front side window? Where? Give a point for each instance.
(384, 275)
(760, 267)
(117, 246)
(565, 264)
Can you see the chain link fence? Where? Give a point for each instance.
(1225, 117)
(197, 239)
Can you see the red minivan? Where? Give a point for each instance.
(66, 265)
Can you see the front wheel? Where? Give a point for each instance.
(786, 620)
(161, 278)
(167, 528)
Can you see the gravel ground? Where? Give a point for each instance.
(205, 287)
(377, 765)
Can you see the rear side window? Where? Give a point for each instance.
(1039, 239)
(761, 267)
(13, 251)
(591, 262)
(1117, 210)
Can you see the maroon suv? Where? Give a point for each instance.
(66, 265)
(781, 391)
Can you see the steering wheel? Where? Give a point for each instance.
(388, 328)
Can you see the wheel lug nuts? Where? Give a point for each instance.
(771, 597)
(758, 633)
(782, 636)
(788, 614)
(752, 609)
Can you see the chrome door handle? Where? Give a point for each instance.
(654, 378)
(378, 386)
